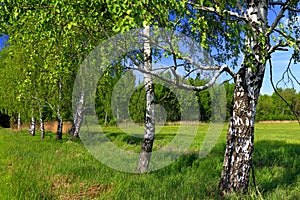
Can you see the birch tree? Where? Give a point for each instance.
(12, 74)
(227, 30)
(66, 32)
(147, 144)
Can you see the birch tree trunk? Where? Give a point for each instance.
(19, 121)
(105, 118)
(78, 116)
(240, 137)
(59, 118)
(32, 126)
(59, 128)
(146, 149)
(42, 127)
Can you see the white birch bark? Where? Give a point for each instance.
(240, 138)
(32, 126)
(78, 116)
(19, 121)
(42, 127)
(59, 128)
(146, 149)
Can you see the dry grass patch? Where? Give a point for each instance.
(63, 187)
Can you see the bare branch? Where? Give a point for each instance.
(42, 100)
(280, 3)
(290, 75)
(279, 45)
(282, 34)
(294, 77)
(286, 73)
(214, 10)
(223, 68)
(190, 73)
(279, 17)
(191, 61)
(186, 58)
(169, 67)
(138, 66)
(276, 91)
(243, 17)
(173, 70)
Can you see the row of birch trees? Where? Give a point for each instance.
(55, 36)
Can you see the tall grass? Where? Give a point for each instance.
(32, 168)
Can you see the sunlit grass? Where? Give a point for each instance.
(32, 168)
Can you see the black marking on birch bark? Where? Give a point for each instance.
(238, 153)
(146, 149)
(59, 129)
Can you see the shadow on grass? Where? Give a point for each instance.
(277, 164)
(136, 140)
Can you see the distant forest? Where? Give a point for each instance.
(121, 109)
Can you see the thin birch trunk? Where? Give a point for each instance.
(32, 126)
(59, 118)
(146, 149)
(42, 126)
(19, 121)
(59, 128)
(79, 116)
(105, 119)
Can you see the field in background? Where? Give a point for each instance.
(32, 168)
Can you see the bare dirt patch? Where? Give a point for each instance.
(277, 121)
(93, 192)
(49, 126)
(63, 184)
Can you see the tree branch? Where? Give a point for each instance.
(173, 70)
(169, 67)
(40, 100)
(276, 91)
(279, 17)
(223, 68)
(280, 3)
(219, 69)
(244, 17)
(186, 58)
(279, 45)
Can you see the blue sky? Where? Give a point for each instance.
(2, 41)
(280, 62)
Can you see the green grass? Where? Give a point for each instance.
(32, 168)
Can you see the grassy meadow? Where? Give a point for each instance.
(35, 168)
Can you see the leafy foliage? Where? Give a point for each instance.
(273, 108)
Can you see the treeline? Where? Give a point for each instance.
(274, 108)
(123, 100)
(167, 106)
(120, 99)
